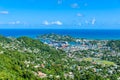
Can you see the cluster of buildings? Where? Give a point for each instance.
(77, 45)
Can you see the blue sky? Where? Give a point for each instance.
(60, 14)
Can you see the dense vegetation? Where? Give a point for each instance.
(12, 62)
(114, 44)
(57, 37)
(23, 58)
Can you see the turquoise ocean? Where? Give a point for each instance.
(79, 33)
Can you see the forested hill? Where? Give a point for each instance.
(18, 58)
(25, 58)
(57, 37)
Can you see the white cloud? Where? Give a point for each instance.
(14, 22)
(4, 12)
(79, 15)
(57, 23)
(52, 23)
(75, 5)
(93, 21)
(46, 23)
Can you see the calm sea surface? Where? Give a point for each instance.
(89, 34)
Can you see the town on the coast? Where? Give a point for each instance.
(59, 57)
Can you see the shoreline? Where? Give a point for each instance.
(87, 34)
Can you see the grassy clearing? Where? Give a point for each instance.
(97, 60)
(106, 62)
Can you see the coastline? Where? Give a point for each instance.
(91, 34)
